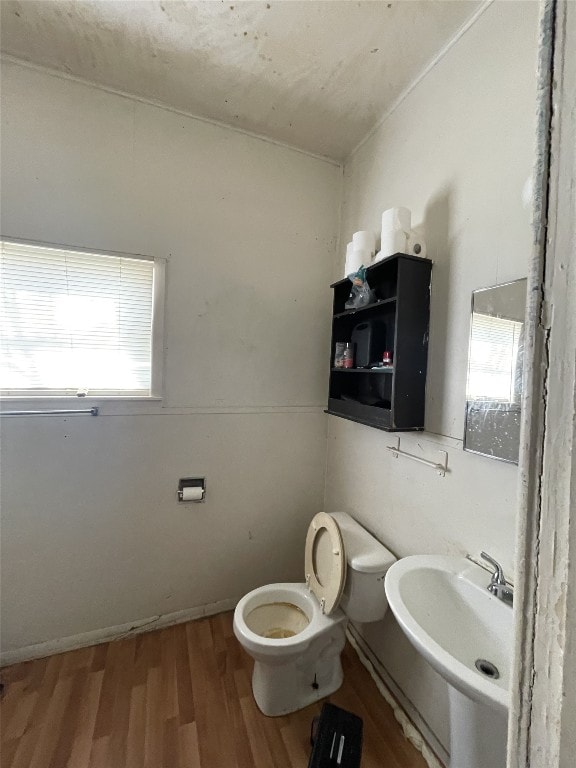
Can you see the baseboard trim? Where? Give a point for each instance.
(97, 636)
(413, 726)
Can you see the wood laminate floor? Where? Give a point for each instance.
(174, 698)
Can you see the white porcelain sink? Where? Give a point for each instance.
(444, 608)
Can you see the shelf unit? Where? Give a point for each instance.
(390, 398)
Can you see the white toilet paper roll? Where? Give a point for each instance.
(393, 241)
(396, 218)
(193, 493)
(355, 259)
(365, 240)
(416, 245)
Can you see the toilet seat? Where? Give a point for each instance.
(325, 562)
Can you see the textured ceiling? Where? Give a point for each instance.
(316, 74)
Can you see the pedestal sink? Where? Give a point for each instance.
(466, 634)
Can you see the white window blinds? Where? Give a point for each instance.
(72, 320)
(494, 347)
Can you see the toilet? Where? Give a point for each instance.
(296, 632)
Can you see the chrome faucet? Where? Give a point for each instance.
(498, 585)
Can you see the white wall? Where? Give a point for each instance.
(457, 151)
(92, 535)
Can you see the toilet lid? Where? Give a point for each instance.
(325, 561)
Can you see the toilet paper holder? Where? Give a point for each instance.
(188, 488)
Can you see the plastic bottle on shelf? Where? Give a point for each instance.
(339, 354)
(348, 355)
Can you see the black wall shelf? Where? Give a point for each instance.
(401, 310)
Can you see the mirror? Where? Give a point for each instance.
(494, 384)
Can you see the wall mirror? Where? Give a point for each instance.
(494, 384)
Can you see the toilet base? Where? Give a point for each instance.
(284, 688)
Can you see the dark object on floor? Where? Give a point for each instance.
(336, 739)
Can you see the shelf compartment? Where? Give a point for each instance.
(361, 386)
(364, 414)
(382, 279)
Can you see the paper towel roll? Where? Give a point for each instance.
(192, 493)
(393, 241)
(365, 240)
(355, 259)
(396, 218)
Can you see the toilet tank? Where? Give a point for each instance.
(364, 598)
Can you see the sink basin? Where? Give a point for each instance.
(444, 608)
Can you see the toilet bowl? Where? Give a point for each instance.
(295, 632)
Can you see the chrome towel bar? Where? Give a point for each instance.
(57, 412)
(440, 468)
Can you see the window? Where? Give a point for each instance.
(495, 366)
(73, 322)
